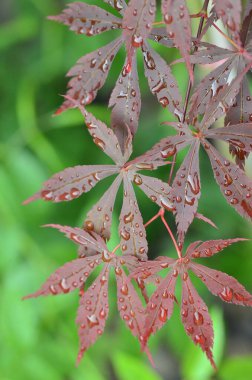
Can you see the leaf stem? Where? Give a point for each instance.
(171, 235)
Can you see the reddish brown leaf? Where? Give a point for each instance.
(119, 5)
(178, 25)
(223, 285)
(239, 113)
(206, 220)
(155, 189)
(165, 148)
(187, 190)
(240, 135)
(196, 319)
(160, 306)
(81, 237)
(69, 277)
(104, 138)
(209, 248)
(246, 30)
(93, 312)
(161, 81)
(160, 35)
(129, 306)
(89, 75)
(72, 182)
(209, 87)
(131, 228)
(234, 184)
(208, 53)
(126, 103)
(137, 24)
(87, 19)
(149, 268)
(100, 216)
(223, 100)
(230, 13)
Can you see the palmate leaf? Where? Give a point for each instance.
(234, 184)
(72, 182)
(177, 19)
(194, 313)
(230, 13)
(93, 312)
(240, 113)
(137, 24)
(186, 189)
(126, 102)
(93, 308)
(119, 5)
(90, 74)
(87, 19)
(131, 228)
(91, 71)
(161, 81)
(235, 58)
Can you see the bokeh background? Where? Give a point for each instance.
(39, 337)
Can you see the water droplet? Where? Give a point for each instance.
(162, 314)
(153, 306)
(199, 339)
(64, 285)
(92, 320)
(167, 204)
(137, 41)
(234, 201)
(194, 183)
(190, 330)
(198, 318)
(138, 180)
(164, 101)
(185, 276)
(168, 19)
(164, 265)
(74, 192)
(47, 195)
(102, 313)
(170, 151)
(175, 273)
(106, 257)
(89, 225)
(226, 294)
(53, 290)
(142, 250)
(228, 193)
(124, 289)
(128, 218)
(185, 313)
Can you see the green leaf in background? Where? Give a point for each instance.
(236, 368)
(127, 367)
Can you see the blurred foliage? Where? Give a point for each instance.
(39, 337)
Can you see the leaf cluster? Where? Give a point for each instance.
(224, 92)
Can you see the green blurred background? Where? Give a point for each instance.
(38, 338)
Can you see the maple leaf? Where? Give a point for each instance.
(93, 308)
(194, 313)
(72, 182)
(230, 13)
(91, 71)
(235, 59)
(234, 184)
(178, 25)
